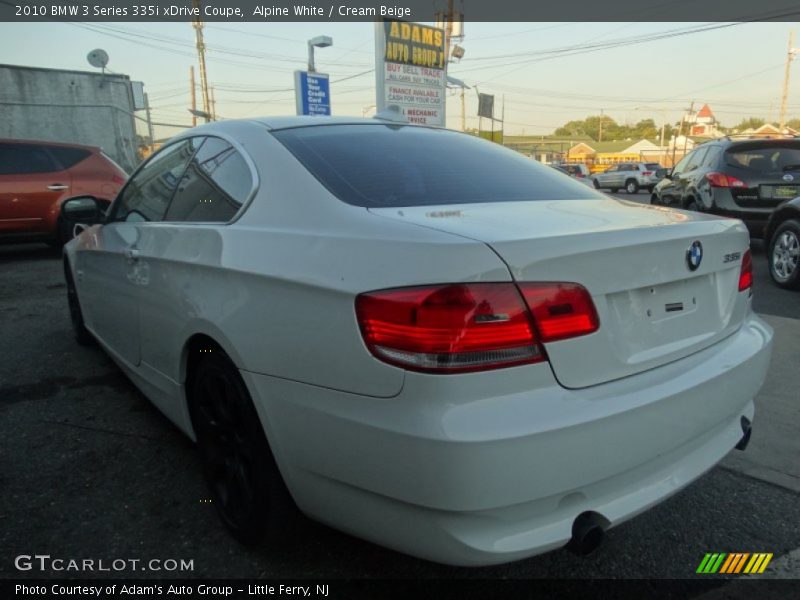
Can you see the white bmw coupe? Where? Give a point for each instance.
(418, 336)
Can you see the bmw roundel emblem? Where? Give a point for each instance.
(694, 255)
(788, 177)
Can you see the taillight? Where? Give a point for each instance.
(449, 328)
(721, 180)
(579, 175)
(560, 310)
(456, 328)
(746, 272)
(647, 173)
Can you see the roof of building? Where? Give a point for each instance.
(705, 112)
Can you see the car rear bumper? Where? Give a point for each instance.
(477, 469)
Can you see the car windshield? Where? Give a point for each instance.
(375, 165)
(765, 159)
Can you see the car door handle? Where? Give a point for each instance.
(57, 186)
(131, 255)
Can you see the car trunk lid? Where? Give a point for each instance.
(633, 260)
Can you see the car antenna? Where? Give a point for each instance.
(391, 113)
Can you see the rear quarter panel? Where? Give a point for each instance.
(277, 288)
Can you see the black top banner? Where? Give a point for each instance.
(408, 10)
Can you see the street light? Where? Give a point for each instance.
(321, 41)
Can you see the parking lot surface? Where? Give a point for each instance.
(89, 469)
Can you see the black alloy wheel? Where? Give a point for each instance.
(245, 483)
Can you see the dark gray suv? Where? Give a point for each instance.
(745, 179)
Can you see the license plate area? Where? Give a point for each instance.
(669, 300)
(662, 319)
(778, 192)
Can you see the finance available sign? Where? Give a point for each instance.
(411, 70)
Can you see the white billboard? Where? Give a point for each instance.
(411, 70)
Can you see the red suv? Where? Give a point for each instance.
(36, 177)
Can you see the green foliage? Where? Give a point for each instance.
(590, 126)
(750, 123)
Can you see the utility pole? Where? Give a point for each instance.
(785, 96)
(197, 23)
(447, 19)
(600, 133)
(149, 121)
(463, 111)
(213, 105)
(193, 92)
(686, 137)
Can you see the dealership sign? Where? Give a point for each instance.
(312, 93)
(411, 70)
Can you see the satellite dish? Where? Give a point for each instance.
(98, 58)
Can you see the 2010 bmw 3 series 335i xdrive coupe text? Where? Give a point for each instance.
(420, 337)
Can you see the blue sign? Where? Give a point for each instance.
(312, 93)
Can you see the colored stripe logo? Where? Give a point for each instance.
(734, 562)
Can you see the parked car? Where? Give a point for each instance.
(576, 173)
(36, 178)
(741, 178)
(782, 234)
(420, 337)
(577, 170)
(629, 176)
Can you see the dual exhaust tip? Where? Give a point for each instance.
(589, 528)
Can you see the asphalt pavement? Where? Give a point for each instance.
(89, 469)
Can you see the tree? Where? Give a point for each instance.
(590, 126)
(750, 123)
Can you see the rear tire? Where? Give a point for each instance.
(784, 255)
(654, 200)
(692, 205)
(245, 484)
(631, 186)
(82, 335)
(595, 184)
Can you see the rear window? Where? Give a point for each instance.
(23, 159)
(765, 159)
(68, 157)
(652, 166)
(388, 165)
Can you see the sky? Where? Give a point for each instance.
(738, 69)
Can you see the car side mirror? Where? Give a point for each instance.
(84, 210)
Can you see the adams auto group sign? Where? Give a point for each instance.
(411, 70)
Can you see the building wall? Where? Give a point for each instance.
(69, 106)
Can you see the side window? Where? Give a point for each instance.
(67, 156)
(712, 157)
(148, 193)
(697, 159)
(681, 166)
(25, 158)
(215, 185)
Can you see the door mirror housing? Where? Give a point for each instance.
(86, 210)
